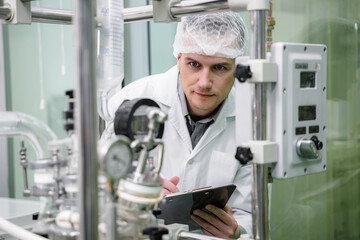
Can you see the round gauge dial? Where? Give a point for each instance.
(116, 157)
(131, 119)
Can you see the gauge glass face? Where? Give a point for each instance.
(140, 121)
(118, 160)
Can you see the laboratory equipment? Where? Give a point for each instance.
(141, 189)
(116, 157)
(297, 109)
(110, 51)
(85, 145)
(131, 119)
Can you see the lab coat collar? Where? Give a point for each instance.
(227, 111)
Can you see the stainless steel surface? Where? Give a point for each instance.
(48, 15)
(189, 235)
(143, 13)
(192, 7)
(4, 170)
(5, 13)
(138, 13)
(86, 118)
(260, 191)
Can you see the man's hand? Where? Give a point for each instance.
(223, 224)
(170, 186)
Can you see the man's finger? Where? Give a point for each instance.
(223, 215)
(175, 180)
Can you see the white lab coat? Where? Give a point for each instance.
(212, 161)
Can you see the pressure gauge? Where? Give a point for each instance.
(132, 121)
(116, 157)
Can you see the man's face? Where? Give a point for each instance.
(206, 81)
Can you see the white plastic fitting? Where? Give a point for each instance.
(263, 71)
(264, 151)
(68, 219)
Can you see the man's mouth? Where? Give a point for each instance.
(204, 95)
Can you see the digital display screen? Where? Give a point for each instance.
(300, 130)
(307, 113)
(314, 129)
(307, 79)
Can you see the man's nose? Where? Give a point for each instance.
(205, 79)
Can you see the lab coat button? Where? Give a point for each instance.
(191, 161)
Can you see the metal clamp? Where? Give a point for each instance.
(248, 5)
(20, 12)
(162, 12)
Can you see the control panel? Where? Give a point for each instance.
(296, 109)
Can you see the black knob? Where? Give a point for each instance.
(242, 72)
(318, 143)
(156, 212)
(35, 216)
(68, 114)
(70, 94)
(155, 233)
(243, 154)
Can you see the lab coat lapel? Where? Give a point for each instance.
(178, 122)
(166, 93)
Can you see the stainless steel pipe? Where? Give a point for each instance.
(143, 13)
(260, 172)
(48, 15)
(86, 118)
(191, 7)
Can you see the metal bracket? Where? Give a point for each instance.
(161, 10)
(248, 5)
(20, 12)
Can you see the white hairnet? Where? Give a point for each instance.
(221, 34)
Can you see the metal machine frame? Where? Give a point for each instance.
(86, 120)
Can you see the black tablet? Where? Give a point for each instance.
(178, 207)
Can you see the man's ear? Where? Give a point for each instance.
(178, 57)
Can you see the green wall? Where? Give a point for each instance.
(40, 68)
(325, 205)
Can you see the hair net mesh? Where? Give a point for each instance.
(221, 34)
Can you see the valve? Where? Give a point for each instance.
(155, 233)
(244, 155)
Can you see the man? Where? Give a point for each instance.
(199, 135)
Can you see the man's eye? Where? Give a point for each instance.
(219, 67)
(194, 64)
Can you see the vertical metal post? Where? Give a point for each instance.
(86, 118)
(4, 170)
(260, 191)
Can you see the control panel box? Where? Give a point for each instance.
(296, 109)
